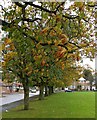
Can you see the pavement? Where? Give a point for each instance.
(9, 101)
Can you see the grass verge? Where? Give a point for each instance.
(60, 105)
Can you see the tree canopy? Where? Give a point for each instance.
(45, 41)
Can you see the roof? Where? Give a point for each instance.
(82, 79)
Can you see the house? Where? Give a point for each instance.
(85, 85)
(9, 87)
(4, 88)
(81, 84)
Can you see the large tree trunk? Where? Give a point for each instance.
(26, 95)
(41, 94)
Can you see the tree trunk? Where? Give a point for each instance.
(41, 94)
(26, 95)
(91, 87)
(96, 82)
(96, 86)
(46, 90)
(50, 90)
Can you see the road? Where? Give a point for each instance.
(9, 101)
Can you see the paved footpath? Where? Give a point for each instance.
(9, 101)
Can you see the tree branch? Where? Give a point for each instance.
(71, 16)
(30, 20)
(20, 5)
(74, 44)
(92, 5)
(59, 6)
(4, 23)
(40, 7)
(25, 34)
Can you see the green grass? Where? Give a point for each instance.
(60, 105)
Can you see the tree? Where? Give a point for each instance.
(95, 79)
(87, 74)
(43, 36)
(15, 61)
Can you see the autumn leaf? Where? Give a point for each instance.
(7, 41)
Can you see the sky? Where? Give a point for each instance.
(86, 61)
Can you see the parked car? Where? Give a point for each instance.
(32, 90)
(67, 90)
(95, 90)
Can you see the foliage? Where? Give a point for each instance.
(46, 40)
(87, 74)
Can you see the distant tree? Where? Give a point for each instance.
(95, 79)
(87, 74)
(96, 82)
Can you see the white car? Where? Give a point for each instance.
(32, 90)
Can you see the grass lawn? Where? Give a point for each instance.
(60, 105)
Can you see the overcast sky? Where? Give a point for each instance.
(86, 61)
